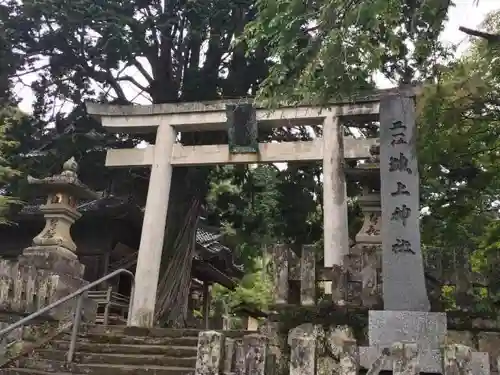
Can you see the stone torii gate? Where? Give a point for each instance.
(169, 119)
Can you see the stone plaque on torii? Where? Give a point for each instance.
(168, 119)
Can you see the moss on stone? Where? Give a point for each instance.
(325, 314)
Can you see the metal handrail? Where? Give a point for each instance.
(80, 293)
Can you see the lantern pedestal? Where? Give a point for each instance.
(49, 269)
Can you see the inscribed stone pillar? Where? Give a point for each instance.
(229, 354)
(147, 270)
(308, 276)
(276, 343)
(279, 272)
(303, 342)
(209, 353)
(256, 354)
(302, 355)
(402, 264)
(239, 357)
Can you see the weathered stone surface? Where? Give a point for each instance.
(229, 348)
(279, 272)
(36, 288)
(303, 342)
(306, 329)
(239, 358)
(100, 369)
(457, 360)
(402, 269)
(158, 351)
(256, 354)
(431, 363)
(302, 355)
(426, 329)
(210, 350)
(461, 337)
(340, 354)
(242, 128)
(371, 288)
(308, 276)
(51, 258)
(349, 358)
(62, 191)
(376, 362)
(103, 348)
(337, 337)
(271, 364)
(326, 365)
(405, 359)
(489, 342)
(276, 344)
(339, 285)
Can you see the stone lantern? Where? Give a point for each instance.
(53, 252)
(49, 269)
(53, 248)
(368, 247)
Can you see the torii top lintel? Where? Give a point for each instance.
(209, 116)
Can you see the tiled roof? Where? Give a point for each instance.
(204, 236)
(223, 254)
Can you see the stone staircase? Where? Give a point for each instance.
(116, 350)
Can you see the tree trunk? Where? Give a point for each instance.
(189, 187)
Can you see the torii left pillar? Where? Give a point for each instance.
(153, 229)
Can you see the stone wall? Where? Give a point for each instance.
(94, 241)
(25, 290)
(317, 350)
(321, 349)
(481, 341)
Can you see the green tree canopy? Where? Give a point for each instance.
(326, 49)
(459, 150)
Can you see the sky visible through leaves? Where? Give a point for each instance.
(465, 13)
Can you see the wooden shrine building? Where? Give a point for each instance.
(107, 238)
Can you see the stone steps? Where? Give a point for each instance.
(150, 332)
(90, 347)
(121, 339)
(116, 359)
(117, 350)
(44, 366)
(20, 371)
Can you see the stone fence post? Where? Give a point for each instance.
(256, 354)
(405, 358)
(209, 357)
(302, 342)
(457, 360)
(219, 355)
